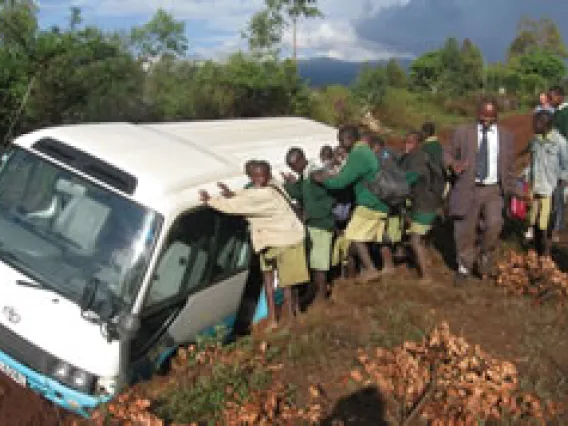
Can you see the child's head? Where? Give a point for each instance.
(542, 123)
(248, 167)
(375, 142)
(326, 154)
(412, 141)
(348, 136)
(429, 129)
(296, 160)
(339, 155)
(261, 173)
(556, 96)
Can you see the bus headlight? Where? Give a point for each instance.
(61, 371)
(80, 379)
(74, 377)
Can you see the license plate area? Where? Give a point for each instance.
(17, 377)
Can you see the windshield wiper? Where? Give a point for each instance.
(25, 283)
(14, 260)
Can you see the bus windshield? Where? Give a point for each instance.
(63, 230)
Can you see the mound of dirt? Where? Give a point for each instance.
(22, 407)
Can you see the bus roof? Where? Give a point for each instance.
(169, 157)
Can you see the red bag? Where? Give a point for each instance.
(518, 206)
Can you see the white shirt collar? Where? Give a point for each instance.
(491, 128)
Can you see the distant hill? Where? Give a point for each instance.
(325, 71)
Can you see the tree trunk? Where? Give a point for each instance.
(294, 39)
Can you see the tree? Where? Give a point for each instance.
(263, 88)
(396, 75)
(75, 18)
(161, 36)
(18, 24)
(297, 9)
(370, 86)
(537, 70)
(472, 67)
(425, 71)
(451, 78)
(266, 27)
(540, 34)
(264, 31)
(88, 79)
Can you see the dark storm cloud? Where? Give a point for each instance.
(423, 25)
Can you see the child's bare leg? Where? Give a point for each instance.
(369, 272)
(386, 255)
(269, 290)
(421, 257)
(320, 279)
(290, 295)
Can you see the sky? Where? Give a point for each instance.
(353, 30)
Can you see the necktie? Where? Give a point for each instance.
(482, 160)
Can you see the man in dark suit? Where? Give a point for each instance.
(482, 157)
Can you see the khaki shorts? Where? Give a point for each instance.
(340, 253)
(541, 209)
(366, 226)
(320, 249)
(419, 228)
(289, 262)
(394, 229)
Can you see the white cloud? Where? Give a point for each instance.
(332, 36)
(336, 39)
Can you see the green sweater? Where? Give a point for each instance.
(561, 119)
(316, 203)
(433, 148)
(362, 166)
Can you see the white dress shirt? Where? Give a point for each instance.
(493, 152)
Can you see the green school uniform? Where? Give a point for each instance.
(433, 148)
(316, 203)
(560, 120)
(362, 165)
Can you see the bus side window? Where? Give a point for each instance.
(232, 247)
(184, 263)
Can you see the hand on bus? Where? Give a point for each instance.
(289, 177)
(204, 196)
(225, 191)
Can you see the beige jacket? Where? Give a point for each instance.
(272, 221)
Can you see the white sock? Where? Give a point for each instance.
(463, 270)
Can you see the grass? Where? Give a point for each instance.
(221, 377)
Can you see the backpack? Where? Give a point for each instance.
(390, 185)
(436, 179)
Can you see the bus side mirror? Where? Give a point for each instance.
(128, 326)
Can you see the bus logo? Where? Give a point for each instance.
(11, 314)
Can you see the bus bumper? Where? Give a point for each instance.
(51, 389)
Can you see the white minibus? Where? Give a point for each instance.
(108, 261)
